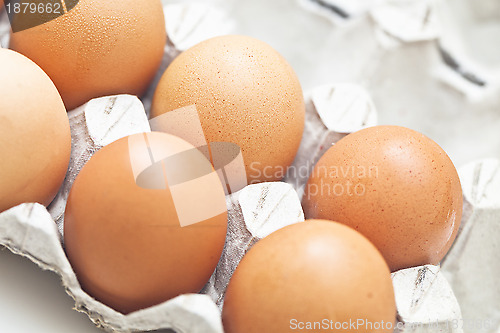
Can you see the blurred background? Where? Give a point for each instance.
(433, 66)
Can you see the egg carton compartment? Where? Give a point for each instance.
(427, 297)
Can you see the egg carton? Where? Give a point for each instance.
(425, 300)
(422, 293)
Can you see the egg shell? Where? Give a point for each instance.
(395, 186)
(98, 48)
(314, 271)
(35, 139)
(125, 242)
(246, 93)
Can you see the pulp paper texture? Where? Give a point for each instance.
(253, 213)
(93, 126)
(332, 111)
(425, 301)
(473, 264)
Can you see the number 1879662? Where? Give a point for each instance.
(34, 8)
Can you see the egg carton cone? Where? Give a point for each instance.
(472, 266)
(466, 44)
(93, 126)
(253, 213)
(425, 301)
(332, 111)
(395, 21)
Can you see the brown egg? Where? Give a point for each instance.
(245, 93)
(314, 273)
(131, 233)
(395, 186)
(98, 48)
(35, 140)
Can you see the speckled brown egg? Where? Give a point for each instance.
(395, 186)
(245, 93)
(311, 277)
(130, 231)
(98, 48)
(35, 139)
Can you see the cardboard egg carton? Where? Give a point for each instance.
(425, 300)
(332, 111)
(472, 266)
(422, 293)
